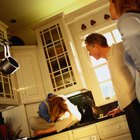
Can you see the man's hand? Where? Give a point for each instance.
(114, 112)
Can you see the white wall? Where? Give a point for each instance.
(32, 110)
(17, 117)
(27, 34)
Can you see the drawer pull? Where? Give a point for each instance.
(119, 127)
(93, 138)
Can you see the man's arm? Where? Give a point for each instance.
(114, 112)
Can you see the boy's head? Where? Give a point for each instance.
(50, 95)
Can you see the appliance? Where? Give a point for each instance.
(85, 102)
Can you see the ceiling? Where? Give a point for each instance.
(29, 12)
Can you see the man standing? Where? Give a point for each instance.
(122, 80)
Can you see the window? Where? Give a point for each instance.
(103, 77)
(100, 66)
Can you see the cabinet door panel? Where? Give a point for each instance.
(126, 136)
(29, 77)
(84, 132)
(94, 137)
(87, 138)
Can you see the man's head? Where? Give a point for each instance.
(95, 44)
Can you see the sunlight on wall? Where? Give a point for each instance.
(65, 6)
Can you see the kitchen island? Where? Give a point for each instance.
(95, 129)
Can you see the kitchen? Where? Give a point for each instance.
(42, 71)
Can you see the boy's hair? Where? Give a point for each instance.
(96, 38)
(57, 107)
(50, 95)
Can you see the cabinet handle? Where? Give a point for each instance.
(119, 126)
(24, 93)
(93, 138)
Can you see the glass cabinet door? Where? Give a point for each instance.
(5, 80)
(57, 59)
(5, 86)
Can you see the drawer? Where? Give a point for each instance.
(84, 131)
(126, 136)
(113, 127)
(61, 136)
(94, 137)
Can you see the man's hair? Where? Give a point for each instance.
(123, 6)
(96, 38)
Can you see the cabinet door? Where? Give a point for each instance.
(58, 59)
(61, 136)
(84, 132)
(113, 127)
(8, 94)
(28, 76)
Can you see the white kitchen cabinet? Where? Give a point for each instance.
(61, 136)
(58, 65)
(30, 85)
(86, 133)
(114, 128)
(8, 94)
